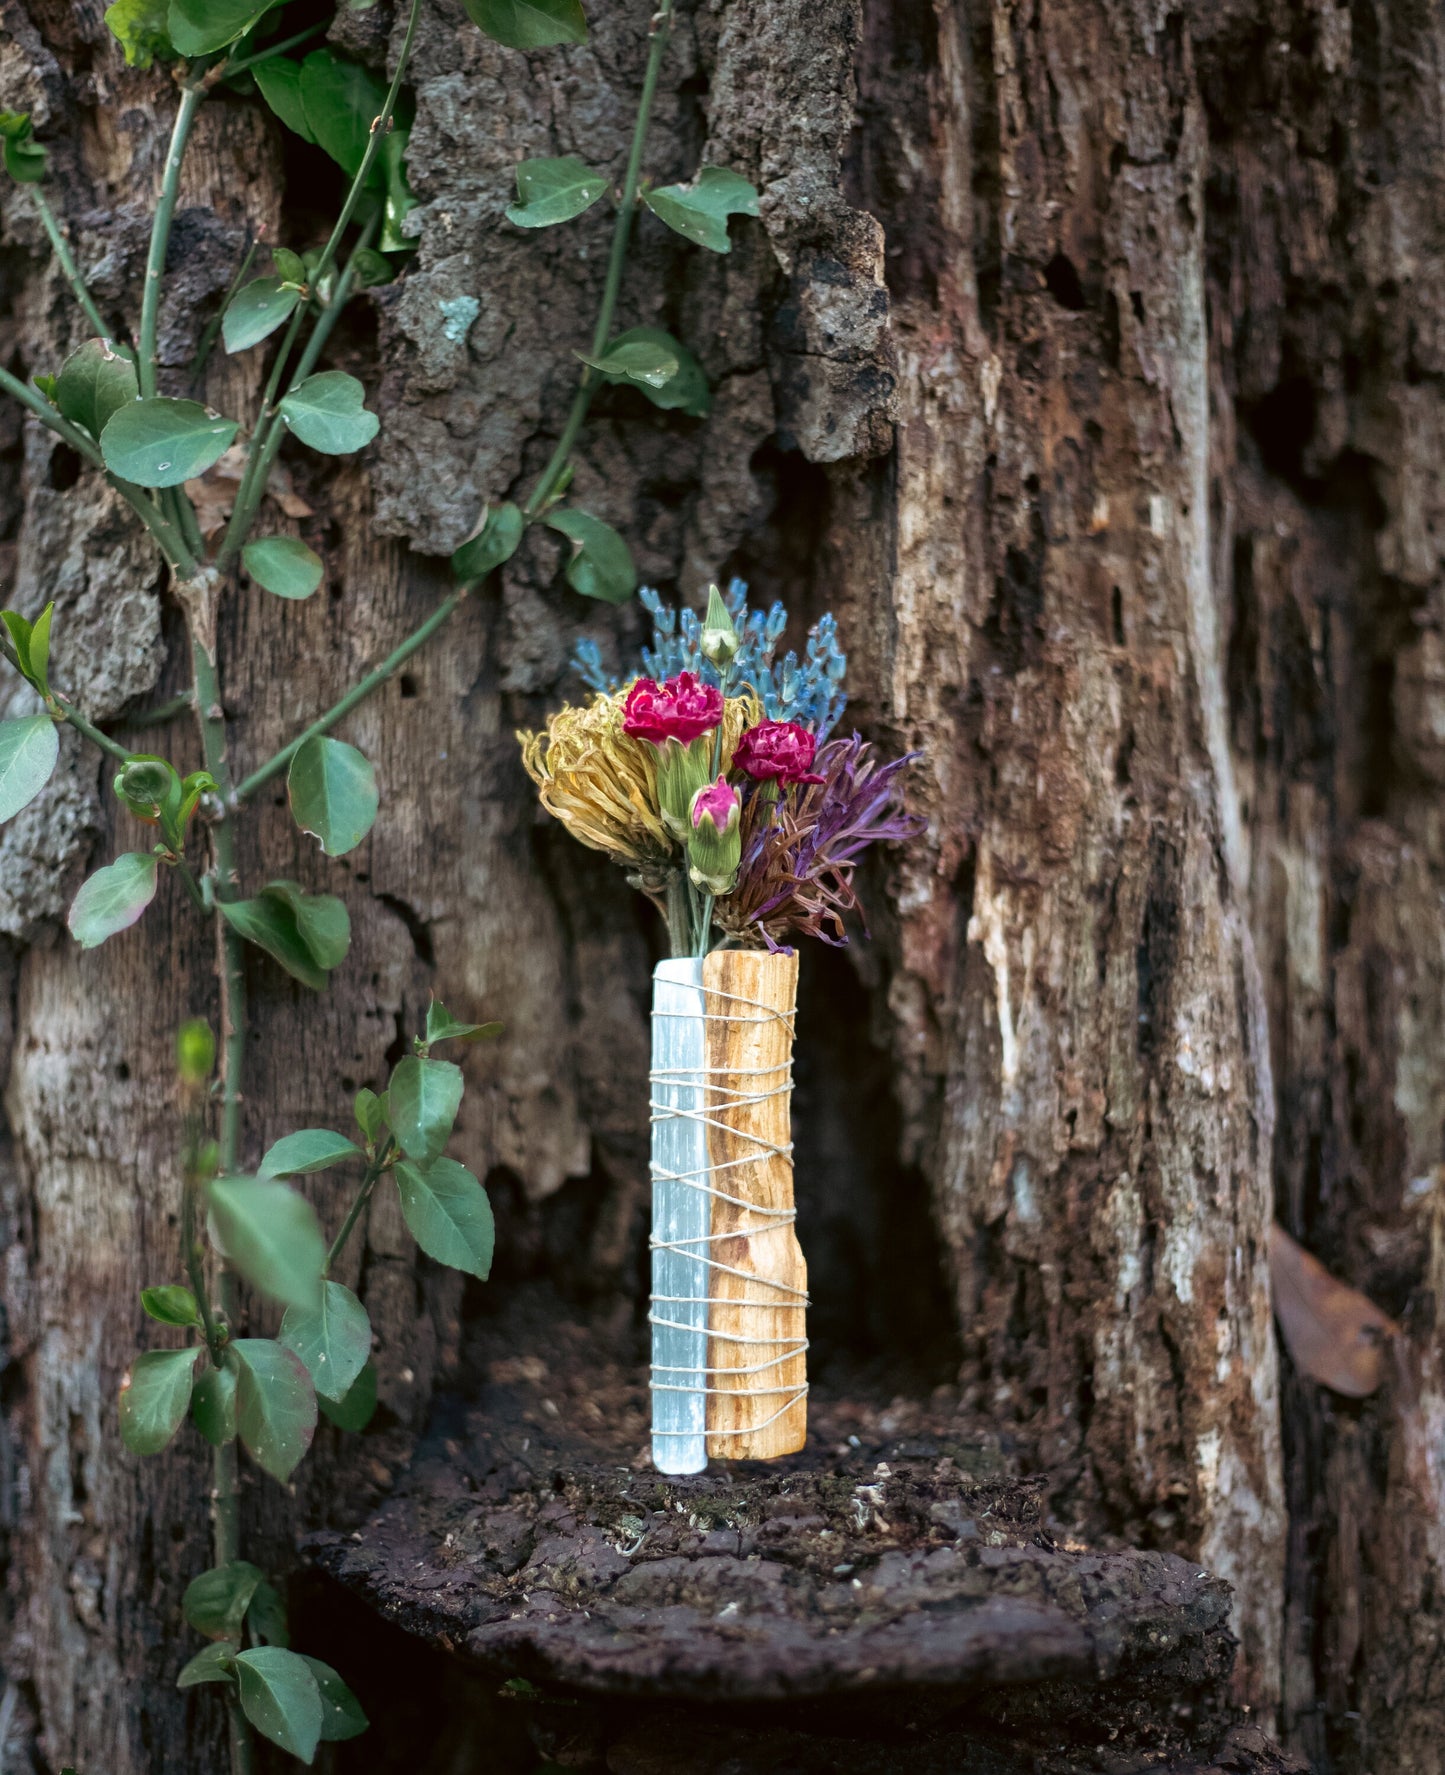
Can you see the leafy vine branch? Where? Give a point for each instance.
(155, 447)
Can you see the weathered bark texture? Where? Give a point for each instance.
(1087, 360)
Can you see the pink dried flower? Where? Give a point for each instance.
(682, 709)
(719, 801)
(777, 752)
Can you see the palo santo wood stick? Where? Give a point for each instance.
(757, 1400)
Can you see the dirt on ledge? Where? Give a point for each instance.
(890, 1598)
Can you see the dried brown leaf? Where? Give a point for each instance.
(214, 493)
(1333, 1334)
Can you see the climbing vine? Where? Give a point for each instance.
(161, 449)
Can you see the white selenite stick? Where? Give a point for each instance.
(681, 1218)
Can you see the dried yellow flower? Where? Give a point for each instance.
(602, 784)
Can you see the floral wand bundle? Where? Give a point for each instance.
(711, 779)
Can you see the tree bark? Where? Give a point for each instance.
(1087, 359)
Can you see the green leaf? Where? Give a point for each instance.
(422, 1103)
(271, 1234)
(700, 211)
(529, 24)
(275, 1404)
(495, 542)
(370, 268)
(139, 26)
(685, 391)
(399, 199)
(271, 925)
(171, 1304)
(18, 629)
(213, 1405)
(290, 267)
(280, 84)
(113, 898)
(601, 564)
(160, 442)
(28, 751)
(642, 361)
(95, 381)
(356, 1410)
(215, 1664)
(215, 1603)
(341, 100)
(370, 1113)
(311, 1150)
(200, 27)
(154, 1397)
(283, 565)
(39, 673)
(25, 158)
(266, 1616)
(322, 921)
(551, 191)
(280, 1697)
(448, 1213)
(332, 790)
(342, 1717)
(333, 1340)
(441, 1026)
(255, 312)
(327, 412)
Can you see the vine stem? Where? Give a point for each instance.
(374, 1171)
(621, 232)
(266, 440)
(168, 539)
(66, 261)
(150, 307)
(357, 694)
(275, 49)
(59, 705)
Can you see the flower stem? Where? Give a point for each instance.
(679, 916)
(358, 694)
(191, 97)
(621, 233)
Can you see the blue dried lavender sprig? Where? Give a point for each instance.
(809, 691)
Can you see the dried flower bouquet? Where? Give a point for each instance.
(711, 779)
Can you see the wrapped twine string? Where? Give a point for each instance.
(720, 1099)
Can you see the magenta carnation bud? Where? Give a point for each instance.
(682, 709)
(777, 752)
(716, 845)
(719, 801)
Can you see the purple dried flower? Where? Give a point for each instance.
(800, 852)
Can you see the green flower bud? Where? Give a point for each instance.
(719, 638)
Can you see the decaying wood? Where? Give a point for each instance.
(757, 1307)
(874, 1598)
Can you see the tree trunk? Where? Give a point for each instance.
(1086, 359)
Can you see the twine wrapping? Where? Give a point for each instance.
(729, 1284)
